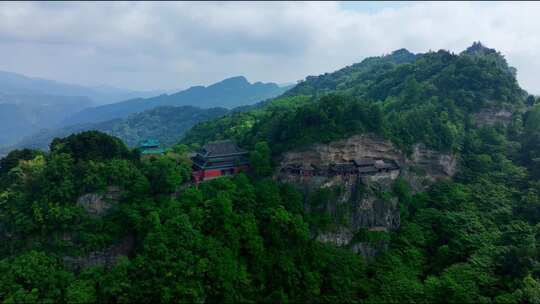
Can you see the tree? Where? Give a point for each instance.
(260, 159)
(11, 160)
(530, 101)
(32, 277)
(165, 173)
(91, 145)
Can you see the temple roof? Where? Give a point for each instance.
(302, 166)
(343, 167)
(360, 162)
(153, 151)
(149, 143)
(219, 148)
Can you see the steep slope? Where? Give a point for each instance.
(229, 93)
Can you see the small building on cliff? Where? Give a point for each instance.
(361, 167)
(221, 158)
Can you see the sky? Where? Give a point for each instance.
(174, 45)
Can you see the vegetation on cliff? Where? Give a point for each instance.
(231, 240)
(249, 238)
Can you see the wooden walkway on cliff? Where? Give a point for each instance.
(357, 167)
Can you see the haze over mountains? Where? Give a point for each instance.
(17, 84)
(37, 110)
(166, 124)
(29, 104)
(229, 93)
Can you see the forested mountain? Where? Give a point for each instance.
(167, 124)
(229, 93)
(28, 105)
(430, 98)
(363, 74)
(92, 221)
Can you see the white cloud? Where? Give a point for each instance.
(149, 45)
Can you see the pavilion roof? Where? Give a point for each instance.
(219, 148)
(149, 143)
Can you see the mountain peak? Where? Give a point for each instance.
(477, 48)
(236, 80)
(401, 52)
(402, 56)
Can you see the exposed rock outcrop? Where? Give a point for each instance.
(355, 147)
(365, 198)
(106, 258)
(423, 167)
(96, 204)
(426, 166)
(490, 116)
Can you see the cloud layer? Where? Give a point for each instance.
(149, 45)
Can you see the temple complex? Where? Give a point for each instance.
(217, 159)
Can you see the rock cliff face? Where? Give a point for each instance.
(96, 204)
(367, 200)
(421, 169)
(426, 166)
(106, 257)
(490, 116)
(358, 146)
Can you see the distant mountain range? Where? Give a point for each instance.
(167, 124)
(30, 104)
(229, 93)
(17, 84)
(22, 115)
(37, 110)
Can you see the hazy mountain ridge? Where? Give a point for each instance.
(17, 84)
(22, 115)
(229, 93)
(166, 123)
(28, 104)
(29, 115)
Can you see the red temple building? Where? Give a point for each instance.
(217, 159)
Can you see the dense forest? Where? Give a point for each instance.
(249, 238)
